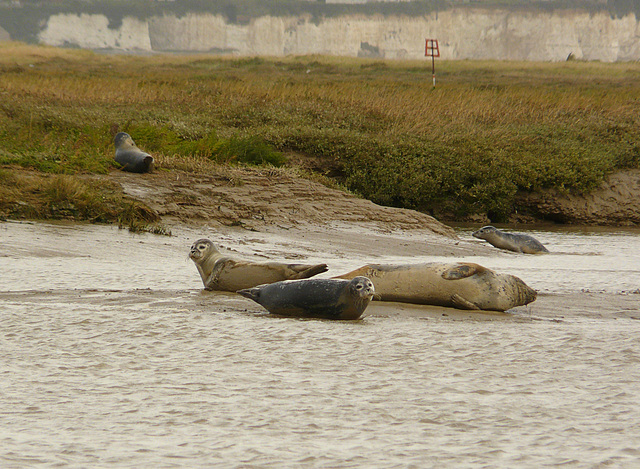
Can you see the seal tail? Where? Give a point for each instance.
(530, 295)
(147, 164)
(251, 293)
(305, 271)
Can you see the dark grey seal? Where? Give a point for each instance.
(314, 298)
(130, 157)
(510, 241)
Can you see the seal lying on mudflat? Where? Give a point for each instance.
(220, 272)
(314, 298)
(510, 241)
(460, 285)
(130, 156)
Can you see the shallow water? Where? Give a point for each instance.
(580, 259)
(112, 356)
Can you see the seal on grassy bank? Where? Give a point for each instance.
(510, 241)
(129, 156)
(459, 285)
(220, 272)
(314, 298)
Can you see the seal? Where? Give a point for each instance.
(459, 285)
(510, 241)
(315, 298)
(129, 156)
(220, 272)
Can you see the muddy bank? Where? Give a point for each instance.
(259, 198)
(262, 199)
(304, 218)
(616, 203)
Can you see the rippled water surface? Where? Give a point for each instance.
(112, 356)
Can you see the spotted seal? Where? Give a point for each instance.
(129, 156)
(220, 272)
(510, 241)
(314, 298)
(459, 285)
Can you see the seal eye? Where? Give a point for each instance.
(359, 286)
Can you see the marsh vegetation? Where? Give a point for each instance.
(487, 131)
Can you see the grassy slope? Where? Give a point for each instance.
(488, 130)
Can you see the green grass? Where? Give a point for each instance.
(487, 131)
(64, 197)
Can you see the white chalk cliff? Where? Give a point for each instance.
(462, 34)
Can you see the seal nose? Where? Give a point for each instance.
(368, 290)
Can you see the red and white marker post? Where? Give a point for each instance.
(432, 50)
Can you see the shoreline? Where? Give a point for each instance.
(343, 248)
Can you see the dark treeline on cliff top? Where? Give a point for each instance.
(254, 8)
(239, 10)
(310, 5)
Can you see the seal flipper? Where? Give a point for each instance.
(461, 303)
(460, 271)
(304, 271)
(220, 265)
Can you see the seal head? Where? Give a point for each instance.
(129, 156)
(315, 298)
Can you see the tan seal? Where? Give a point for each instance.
(220, 272)
(129, 156)
(459, 285)
(515, 242)
(315, 298)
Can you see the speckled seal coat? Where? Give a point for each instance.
(510, 241)
(130, 157)
(316, 298)
(459, 285)
(220, 272)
